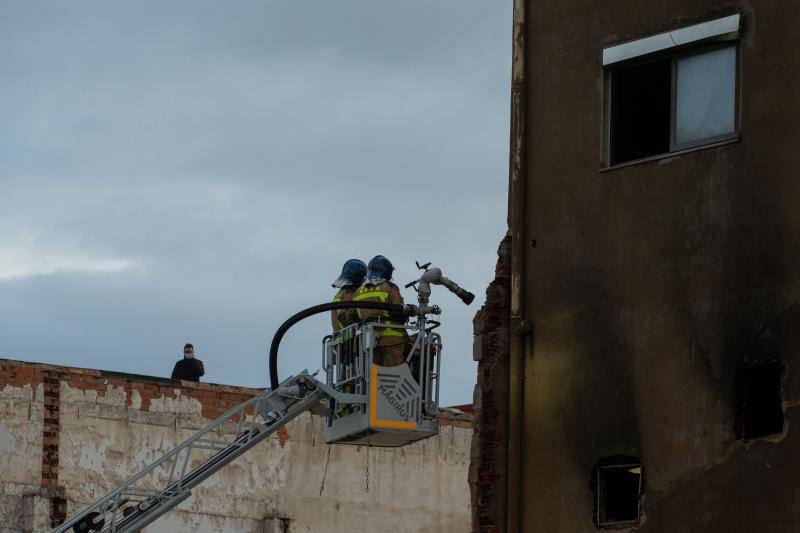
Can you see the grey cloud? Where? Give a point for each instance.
(238, 154)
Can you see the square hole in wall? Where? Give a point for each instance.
(617, 487)
(277, 525)
(760, 409)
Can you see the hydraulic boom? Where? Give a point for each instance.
(168, 481)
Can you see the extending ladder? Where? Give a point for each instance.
(169, 480)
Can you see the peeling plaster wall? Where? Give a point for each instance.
(21, 412)
(111, 425)
(21, 418)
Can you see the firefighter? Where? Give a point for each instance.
(391, 342)
(353, 273)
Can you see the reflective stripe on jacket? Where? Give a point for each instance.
(341, 318)
(386, 292)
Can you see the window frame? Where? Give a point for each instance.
(674, 55)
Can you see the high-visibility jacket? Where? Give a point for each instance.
(386, 292)
(341, 318)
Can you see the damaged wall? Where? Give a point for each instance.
(62, 451)
(648, 285)
(21, 423)
(488, 458)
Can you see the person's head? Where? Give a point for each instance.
(353, 273)
(188, 351)
(379, 270)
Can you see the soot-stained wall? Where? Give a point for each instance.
(648, 285)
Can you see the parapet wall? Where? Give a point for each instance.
(67, 435)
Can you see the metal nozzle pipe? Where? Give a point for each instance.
(465, 296)
(434, 276)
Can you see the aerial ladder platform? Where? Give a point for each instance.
(364, 404)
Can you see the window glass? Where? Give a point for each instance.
(705, 95)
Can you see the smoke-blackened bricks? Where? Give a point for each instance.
(58, 510)
(490, 349)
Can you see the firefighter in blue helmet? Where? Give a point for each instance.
(378, 287)
(353, 273)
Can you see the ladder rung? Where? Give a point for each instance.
(139, 491)
(213, 444)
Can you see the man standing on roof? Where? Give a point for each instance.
(391, 342)
(188, 368)
(353, 273)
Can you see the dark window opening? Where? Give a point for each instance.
(640, 110)
(617, 485)
(760, 399)
(678, 100)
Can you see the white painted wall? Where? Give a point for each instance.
(21, 416)
(105, 437)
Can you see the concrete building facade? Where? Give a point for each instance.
(638, 352)
(68, 435)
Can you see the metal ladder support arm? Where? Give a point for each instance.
(272, 410)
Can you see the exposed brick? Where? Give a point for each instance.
(215, 400)
(51, 378)
(58, 511)
(490, 349)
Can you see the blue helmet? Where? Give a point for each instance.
(380, 268)
(353, 273)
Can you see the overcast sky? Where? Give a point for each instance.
(193, 171)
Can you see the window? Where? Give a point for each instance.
(665, 95)
(617, 484)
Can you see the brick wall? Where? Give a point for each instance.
(488, 460)
(45, 503)
(67, 435)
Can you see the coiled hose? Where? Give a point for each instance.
(395, 309)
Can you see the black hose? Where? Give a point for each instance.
(396, 309)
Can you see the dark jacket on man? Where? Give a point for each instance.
(188, 369)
